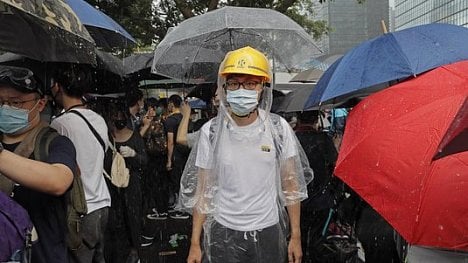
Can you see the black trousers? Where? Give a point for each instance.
(226, 245)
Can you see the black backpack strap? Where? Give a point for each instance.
(96, 134)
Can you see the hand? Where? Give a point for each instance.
(185, 109)
(148, 117)
(126, 151)
(195, 254)
(295, 250)
(169, 165)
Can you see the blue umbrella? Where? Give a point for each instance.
(197, 103)
(104, 30)
(390, 57)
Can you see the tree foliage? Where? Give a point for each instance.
(136, 16)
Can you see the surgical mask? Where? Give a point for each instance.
(159, 111)
(13, 119)
(242, 101)
(120, 124)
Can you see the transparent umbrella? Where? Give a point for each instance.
(198, 44)
(46, 30)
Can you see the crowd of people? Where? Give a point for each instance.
(257, 190)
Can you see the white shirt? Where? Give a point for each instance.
(248, 191)
(89, 153)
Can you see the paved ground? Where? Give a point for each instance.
(163, 250)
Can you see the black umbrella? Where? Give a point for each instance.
(138, 66)
(46, 30)
(107, 75)
(109, 62)
(295, 100)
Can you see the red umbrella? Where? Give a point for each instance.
(387, 157)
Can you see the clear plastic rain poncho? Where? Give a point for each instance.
(203, 189)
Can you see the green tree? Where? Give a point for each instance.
(136, 16)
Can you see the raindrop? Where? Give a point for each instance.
(441, 227)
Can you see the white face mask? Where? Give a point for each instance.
(242, 101)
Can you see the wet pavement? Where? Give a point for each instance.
(171, 240)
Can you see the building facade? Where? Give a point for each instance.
(409, 13)
(351, 23)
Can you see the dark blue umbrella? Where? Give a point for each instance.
(104, 30)
(390, 57)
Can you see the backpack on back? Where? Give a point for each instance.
(155, 139)
(75, 196)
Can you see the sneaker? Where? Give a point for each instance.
(146, 243)
(179, 215)
(157, 216)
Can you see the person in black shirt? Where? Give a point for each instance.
(176, 154)
(38, 186)
(322, 155)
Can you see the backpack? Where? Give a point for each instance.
(119, 173)
(155, 139)
(15, 230)
(75, 196)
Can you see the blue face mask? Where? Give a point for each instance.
(13, 119)
(242, 101)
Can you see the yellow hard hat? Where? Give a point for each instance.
(248, 61)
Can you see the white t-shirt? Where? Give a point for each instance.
(89, 153)
(247, 195)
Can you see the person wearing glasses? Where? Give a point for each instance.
(245, 171)
(37, 186)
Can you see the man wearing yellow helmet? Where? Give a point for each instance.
(246, 168)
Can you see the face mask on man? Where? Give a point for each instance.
(159, 111)
(13, 119)
(242, 101)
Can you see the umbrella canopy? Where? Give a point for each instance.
(109, 62)
(197, 103)
(46, 30)
(392, 56)
(387, 157)
(201, 42)
(105, 61)
(105, 31)
(138, 62)
(316, 68)
(456, 138)
(294, 100)
(310, 75)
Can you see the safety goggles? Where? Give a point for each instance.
(19, 77)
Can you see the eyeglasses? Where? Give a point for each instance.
(21, 77)
(16, 103)
(235, 85)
